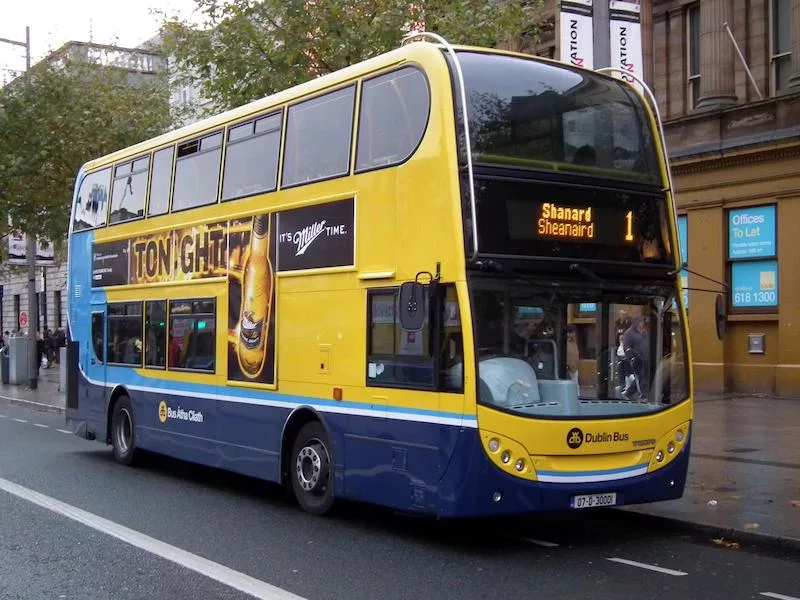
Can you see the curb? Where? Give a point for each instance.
(731, 534)
(51, 408)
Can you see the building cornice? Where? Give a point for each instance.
(735, 158)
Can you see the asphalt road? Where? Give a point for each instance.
(73, 524)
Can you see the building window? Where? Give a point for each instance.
(752, 256)
(683, 243)
(781, 43)
(16, 310)
(58, 308)
(192, 335)
(693, 53)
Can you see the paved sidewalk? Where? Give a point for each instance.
(45, 397)
(744, 472)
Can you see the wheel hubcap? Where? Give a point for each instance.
(311, 467)
(124, 431)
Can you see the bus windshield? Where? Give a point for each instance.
(574, 353)
(535, 114)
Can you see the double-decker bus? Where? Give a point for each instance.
(443, 280)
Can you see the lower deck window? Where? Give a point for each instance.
(401, 358)
(125, 333)
(192, 335)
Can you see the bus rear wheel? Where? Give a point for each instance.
(123, 431)
(311, 469)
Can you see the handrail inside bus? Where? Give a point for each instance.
(468, 143)
(651, 100)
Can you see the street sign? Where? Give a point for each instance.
(23, 319)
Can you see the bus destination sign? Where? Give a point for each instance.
(520, 218)
(577, 224)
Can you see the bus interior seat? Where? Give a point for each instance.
(544, 353)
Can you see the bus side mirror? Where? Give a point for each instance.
(411, 306)
(721, 317)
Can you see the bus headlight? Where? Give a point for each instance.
(508, 455)
(669, 447)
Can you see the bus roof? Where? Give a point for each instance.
(416, 50)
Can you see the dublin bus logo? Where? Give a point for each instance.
(574, 438)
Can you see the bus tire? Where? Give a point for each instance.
(311, 469)
(123, 431)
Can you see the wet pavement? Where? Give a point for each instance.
(744, 473)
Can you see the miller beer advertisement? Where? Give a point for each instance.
(251, 300)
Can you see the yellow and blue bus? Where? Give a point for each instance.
(442, 280)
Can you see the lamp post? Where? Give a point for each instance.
(30, 251)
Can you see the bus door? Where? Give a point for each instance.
(93, 365)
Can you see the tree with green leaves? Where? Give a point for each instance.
(247, 49)
(56, 119)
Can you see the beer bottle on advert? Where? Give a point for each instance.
(256, 300)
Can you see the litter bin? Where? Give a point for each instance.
(4, 364)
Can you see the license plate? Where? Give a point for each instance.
(594, 500)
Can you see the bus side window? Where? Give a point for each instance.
(396, 357)
(393, 118)
(451, 348)
(98, 327)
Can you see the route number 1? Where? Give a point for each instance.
(629, 226)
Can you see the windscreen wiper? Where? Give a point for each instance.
(487, 264)
(578, 268)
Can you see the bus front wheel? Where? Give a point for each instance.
(123, 432)
(311, 469)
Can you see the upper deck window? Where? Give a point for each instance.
(197, 172)
(539, 115)
(128, 193)
(92, 202)
(394, 114)
(318, 135)
(160, 181)
(251, 161)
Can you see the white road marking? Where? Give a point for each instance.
(538, 542)
(633, 563)
(3, 417)
(234, 579)
(778, 596)
(30, 402)
(40, 425)
(63, 430)
(20, 420)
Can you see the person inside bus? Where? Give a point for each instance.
(585, 155)
(573, 355)
(636, 343)
(531, 338)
